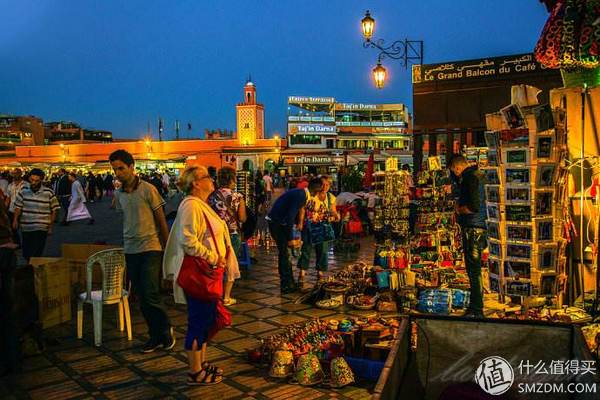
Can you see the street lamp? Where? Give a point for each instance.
(379, 74)
(406, 51)
(368, 26)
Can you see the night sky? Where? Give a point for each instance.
(118, 65)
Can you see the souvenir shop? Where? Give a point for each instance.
(540, 270)
(416, 286)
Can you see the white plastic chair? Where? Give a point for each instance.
(112, 263)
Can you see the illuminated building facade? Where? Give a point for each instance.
(71, 146)
(20, 130)
(67, 131)
(323, 134)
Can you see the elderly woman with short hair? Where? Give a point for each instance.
(191, 236)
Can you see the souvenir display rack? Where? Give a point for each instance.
(436, 234)
(525, 192)
(392, 208)
(390, 223)
(245, 186)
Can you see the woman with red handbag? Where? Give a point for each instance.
(197, 253)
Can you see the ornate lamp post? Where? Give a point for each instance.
(406, 51)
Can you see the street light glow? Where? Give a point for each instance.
(379, 74)
(368, 26)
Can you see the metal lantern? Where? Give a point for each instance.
(379, 75)
(368, 26)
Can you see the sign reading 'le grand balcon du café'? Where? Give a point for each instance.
(475, 69)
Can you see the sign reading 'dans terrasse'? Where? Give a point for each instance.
(473, 69)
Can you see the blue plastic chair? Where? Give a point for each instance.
(244, 259)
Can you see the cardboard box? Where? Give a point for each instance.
(75, 257)
(52, 281)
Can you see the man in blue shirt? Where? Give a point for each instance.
(471, 218)
(287, 211)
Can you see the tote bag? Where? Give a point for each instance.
(198, 278)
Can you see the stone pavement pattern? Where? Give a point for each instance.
(75, 369)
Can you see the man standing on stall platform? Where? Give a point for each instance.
(471, 218)
(144, 224)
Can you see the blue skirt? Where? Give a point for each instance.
(201, 318)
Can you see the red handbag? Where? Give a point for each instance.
(198, 278)
(223, 320)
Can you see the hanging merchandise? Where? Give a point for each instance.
(392, 208)
(245, 186)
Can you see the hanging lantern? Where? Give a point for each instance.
(368, 26)
(379, 74)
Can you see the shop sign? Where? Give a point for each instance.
(308, 160)
(401, 124)
(311, 128)
(474, 69)
(311, 100)
(356, 106)
(390, 130)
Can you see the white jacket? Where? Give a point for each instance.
(190, 235)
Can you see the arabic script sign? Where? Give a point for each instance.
(488, 67)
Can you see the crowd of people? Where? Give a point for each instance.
(203, 244)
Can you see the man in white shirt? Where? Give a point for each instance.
(268, 185)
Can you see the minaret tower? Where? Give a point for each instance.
(250, 117)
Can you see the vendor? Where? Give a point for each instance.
(471, 218)
(287, 209)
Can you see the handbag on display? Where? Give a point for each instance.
(198, 278)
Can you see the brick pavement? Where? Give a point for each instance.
(74, 369)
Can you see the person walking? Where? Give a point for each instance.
(77, 209)
(109, 185)
(321, 208)
(144, 225)
(91, 187)
(471, 218)
(99, 186)
(288, 209)
(198, 233)
(17, 184)
(36, 208)
(63, 193)
(231, 207)
(268, 185)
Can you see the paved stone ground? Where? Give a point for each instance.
(74, 369)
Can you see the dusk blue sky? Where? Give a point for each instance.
(118, 64)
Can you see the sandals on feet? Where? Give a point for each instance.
(210, 377)
(229, 302)
(207, 365)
